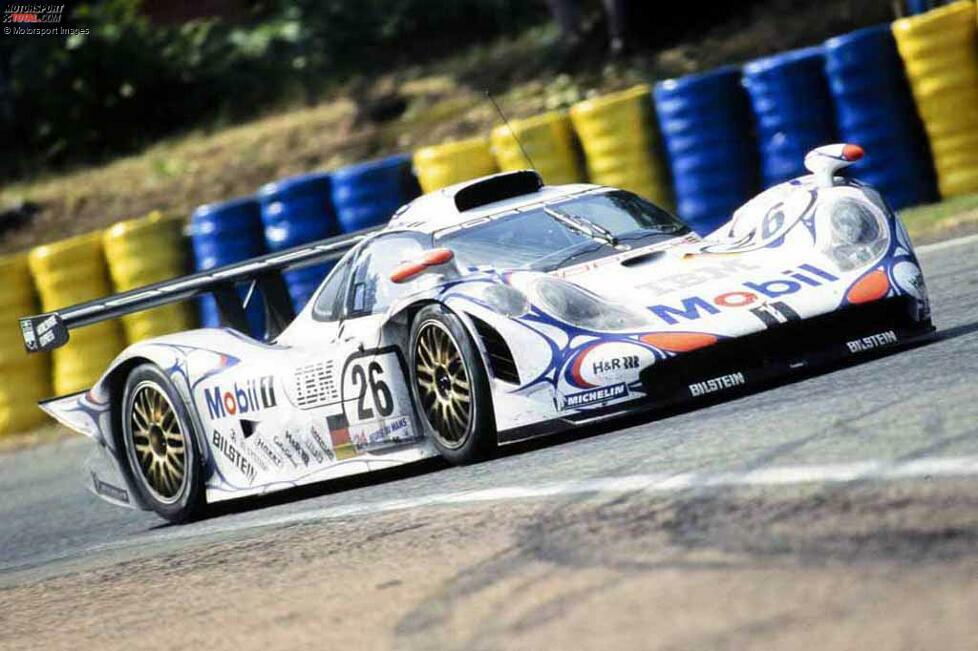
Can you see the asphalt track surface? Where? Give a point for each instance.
(839, 509)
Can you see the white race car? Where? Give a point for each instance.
(486, 313)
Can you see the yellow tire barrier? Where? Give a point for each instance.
(453, 162)
(24, 379)
(68, 272)
(621, 143)
(940, 53)
(549, 141)
(141, 252)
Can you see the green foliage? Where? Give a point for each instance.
(128, 82)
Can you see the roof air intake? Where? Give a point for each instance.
(496, 188)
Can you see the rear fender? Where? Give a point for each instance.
(82, 413)
(106, 475)
(96, 413)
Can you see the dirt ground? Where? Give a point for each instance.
(892, 567)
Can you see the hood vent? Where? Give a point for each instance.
(644, 258)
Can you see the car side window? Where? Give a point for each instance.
(329, 302)
(371, 289)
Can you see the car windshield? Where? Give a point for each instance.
(560, 233)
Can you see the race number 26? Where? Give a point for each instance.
(373, 395)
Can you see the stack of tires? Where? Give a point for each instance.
(295, 211)
(65, 273)
(26, 378)
(453, 162)
(793, 110)
(915, 7)
(621, 144)
(705, 121)
(367, 194)
(874, 109)
(940, 53)
(222, 234)
(141, 252)
(547, 139)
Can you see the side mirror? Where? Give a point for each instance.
(825, 161)
(411, 270)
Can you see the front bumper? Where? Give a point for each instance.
(854, 333)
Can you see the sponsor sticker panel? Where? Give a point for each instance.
(234, 456)
(716, 384)
(595, 397)
(878, 340)
(247, 397)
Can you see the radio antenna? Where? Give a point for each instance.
(511, 131)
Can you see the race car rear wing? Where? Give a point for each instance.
(50, 330)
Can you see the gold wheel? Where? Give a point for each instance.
(158, 441)
(443, 384)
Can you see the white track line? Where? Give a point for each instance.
(947, 244)
(926, 468)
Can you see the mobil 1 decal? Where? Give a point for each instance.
(246, 397)
(765, 298)
(377, 406)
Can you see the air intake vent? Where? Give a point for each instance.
(496, 188)
(315, 385)
(500, 356)
(644, 258)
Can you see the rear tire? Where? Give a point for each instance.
(162, 456)
(450, 387)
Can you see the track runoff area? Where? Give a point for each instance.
(840, 509)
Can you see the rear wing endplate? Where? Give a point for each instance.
(44, 332)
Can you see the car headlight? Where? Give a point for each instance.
(571, 304)
(856, 234)
(504, 299)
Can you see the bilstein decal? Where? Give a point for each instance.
(717, 384)
(878, 340)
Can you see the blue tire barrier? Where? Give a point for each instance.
(875, 109)
(792, 108)
(295, 211)
(367, 194)
(224, 233)
(706, 125)
(915, 7)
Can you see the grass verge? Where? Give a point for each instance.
(939, 221)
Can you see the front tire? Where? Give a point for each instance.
(161, 446)
(450, 387)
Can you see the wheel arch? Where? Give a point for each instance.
(481, 449)
(114, 383)
(404, 317)
(404, 314)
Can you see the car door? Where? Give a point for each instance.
(375, 387)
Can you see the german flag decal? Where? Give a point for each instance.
(339, 435)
